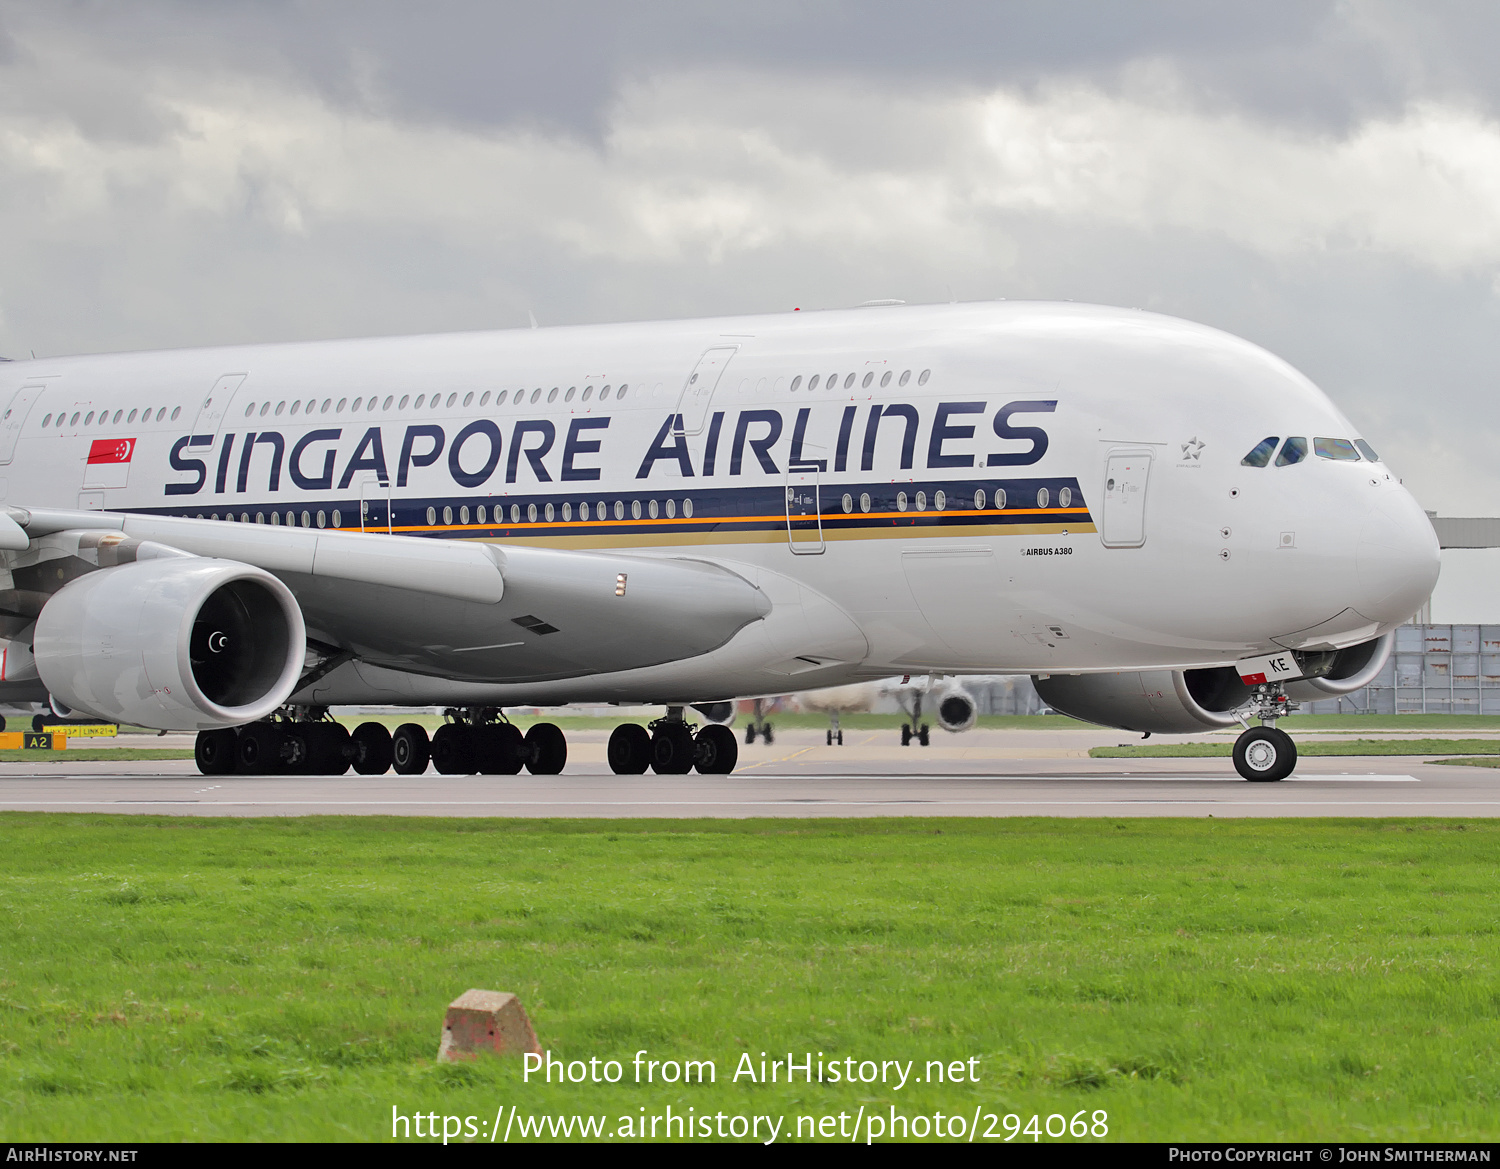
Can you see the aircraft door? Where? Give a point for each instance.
(211, 412)
(698, 393)
(1125, 477)
(804, 514)
(374, 505)
(14, 419)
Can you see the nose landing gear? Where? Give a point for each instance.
(1264, 753)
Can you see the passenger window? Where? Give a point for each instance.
(1367, 450)
(1336, 448)
(1261, 454)
(1294, 451)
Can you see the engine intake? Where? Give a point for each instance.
(183, 644)
(956, 709)
(1352, 669)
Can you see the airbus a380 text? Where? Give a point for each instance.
(1167, 526)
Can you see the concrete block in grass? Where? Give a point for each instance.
(486, 1021)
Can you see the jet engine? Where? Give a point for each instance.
(956, 710)
(183, 644)
(1342, 671)
(1172, 702)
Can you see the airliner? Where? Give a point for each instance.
(1166, 526)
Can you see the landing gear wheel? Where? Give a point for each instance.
(769, 734)
(325, 748)
(672, 749)
(629, 750)
(750, 734)
(453, 750)
(371, 744)
(499, 749)
(905, 735)
(839, 738)
(258, 751)
(828, 738)
(410, 751)
(1265, 754)
(923, 734)
(214, 751)
(546, 749)
(715, 750)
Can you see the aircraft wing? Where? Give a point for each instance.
(459, 609)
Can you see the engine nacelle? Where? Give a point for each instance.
(185, 644)
(721, 713)
(1351, 669)
(1171, 702)
(956, 709)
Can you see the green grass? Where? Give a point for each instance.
(175, 978)
(1483, 761)
(1354, 747)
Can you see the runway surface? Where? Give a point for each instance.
(993, 774)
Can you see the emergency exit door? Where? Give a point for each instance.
(1125, 478)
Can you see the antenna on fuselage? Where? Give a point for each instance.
(532, 315)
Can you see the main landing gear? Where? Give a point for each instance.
(1265, 753)
(670, 746)
(305, 741)
(916, 729)
(759, 725)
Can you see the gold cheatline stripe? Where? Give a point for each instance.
(778, 518)
(780, 536)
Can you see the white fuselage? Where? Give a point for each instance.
(996, 488)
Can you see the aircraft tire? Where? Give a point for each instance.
(499, 749)
(547, 752)
(410, 750)
(258, 751)
(453, 750)
(715, 750)
(923, 734)
(672, 750)
(629, 750)
(1265, 754)
(214, 751)
(768, 735)
(750, 733)
(371, 748)
(336, 740)
(905, 735)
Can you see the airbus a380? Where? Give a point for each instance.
(1167, 526)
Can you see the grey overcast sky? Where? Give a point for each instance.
(1322, 177)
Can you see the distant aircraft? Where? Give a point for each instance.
(1168, 527)
(947, 700)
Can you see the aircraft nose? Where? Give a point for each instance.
(1396, 561)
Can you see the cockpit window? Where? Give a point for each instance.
(1336, 448)
(1262, 453)
(1294, 451)
(1367, 450)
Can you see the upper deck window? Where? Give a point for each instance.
(1336, 448)
(1261, 453)
(1367, 450)
(1294, 451)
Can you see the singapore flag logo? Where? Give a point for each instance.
(111, 450)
